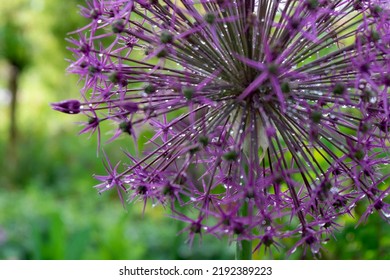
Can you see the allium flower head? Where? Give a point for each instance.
(271, 118)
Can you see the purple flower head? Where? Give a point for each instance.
(280, 108)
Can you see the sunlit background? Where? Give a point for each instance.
(48, 208)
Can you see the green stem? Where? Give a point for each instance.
(244, 247)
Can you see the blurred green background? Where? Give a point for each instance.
(48, 208)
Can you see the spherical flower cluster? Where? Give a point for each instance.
(271, 118)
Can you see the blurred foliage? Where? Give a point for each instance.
(14, 47)
(48, 209)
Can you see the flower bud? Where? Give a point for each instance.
(71, 106)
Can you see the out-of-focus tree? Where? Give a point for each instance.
(33, 32)
(14, 49)
(33, 53)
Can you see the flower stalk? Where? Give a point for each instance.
(244, 247)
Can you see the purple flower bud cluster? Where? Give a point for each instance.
(280, 108)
